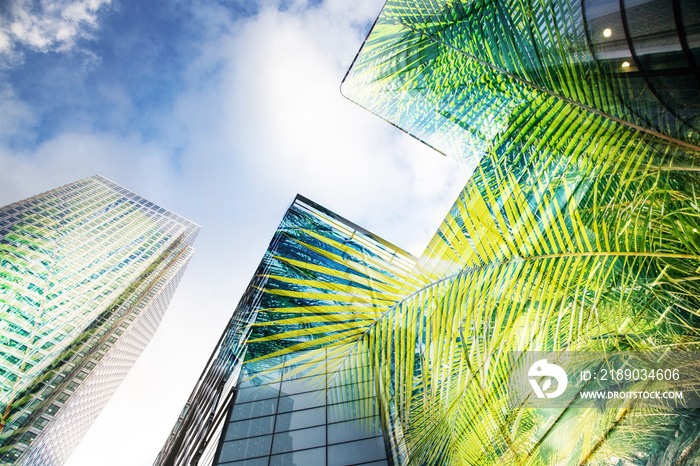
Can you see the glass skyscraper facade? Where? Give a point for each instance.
(578, 231)
(251, 409)
(86, 273)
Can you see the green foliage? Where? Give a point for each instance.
(577, 232)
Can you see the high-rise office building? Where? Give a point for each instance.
(318, 265)
(86, 273)
(577, 233)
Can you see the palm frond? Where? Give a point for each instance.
(578, 231)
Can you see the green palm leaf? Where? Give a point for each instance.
(576, 232)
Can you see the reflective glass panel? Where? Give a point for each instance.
(250, 428)
(300, 419)
(353, 430)
(315, 457)
(254, 462)
(292, 387)
(257, 393)
(299, 439)
(302, 401)
(254, 409)
(356, 452)
(246, 448)
(349, 392)
(351, 410)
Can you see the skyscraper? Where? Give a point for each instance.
(318, 263)
(577, 233)
(86, 273)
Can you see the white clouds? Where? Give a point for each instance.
(47, 25)
(72, 156)
(15, 115)
(280, 118)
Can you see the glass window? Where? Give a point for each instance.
(53, 409)
(300, 419)
(304, 369)
(41, 422)
(299, 439)
(259, 379)
(352, 410)
(250, 428)
(299, 358)
(302, 401)
(260, 368)
(254, 462)
(257, 393)
(247, 448)
(292, 387)
(27, 438)
(254, 409)
(349, 393)
(353, 430)
(349, 376)
(356, 452)
(12, 455)
(315, 457)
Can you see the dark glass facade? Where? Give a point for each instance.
(458, 74)
(652, 48)
(284, 418)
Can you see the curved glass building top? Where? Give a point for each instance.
(454, 73)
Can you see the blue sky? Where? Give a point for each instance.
(220, 111)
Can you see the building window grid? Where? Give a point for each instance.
(70, 281)
(372, 417)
